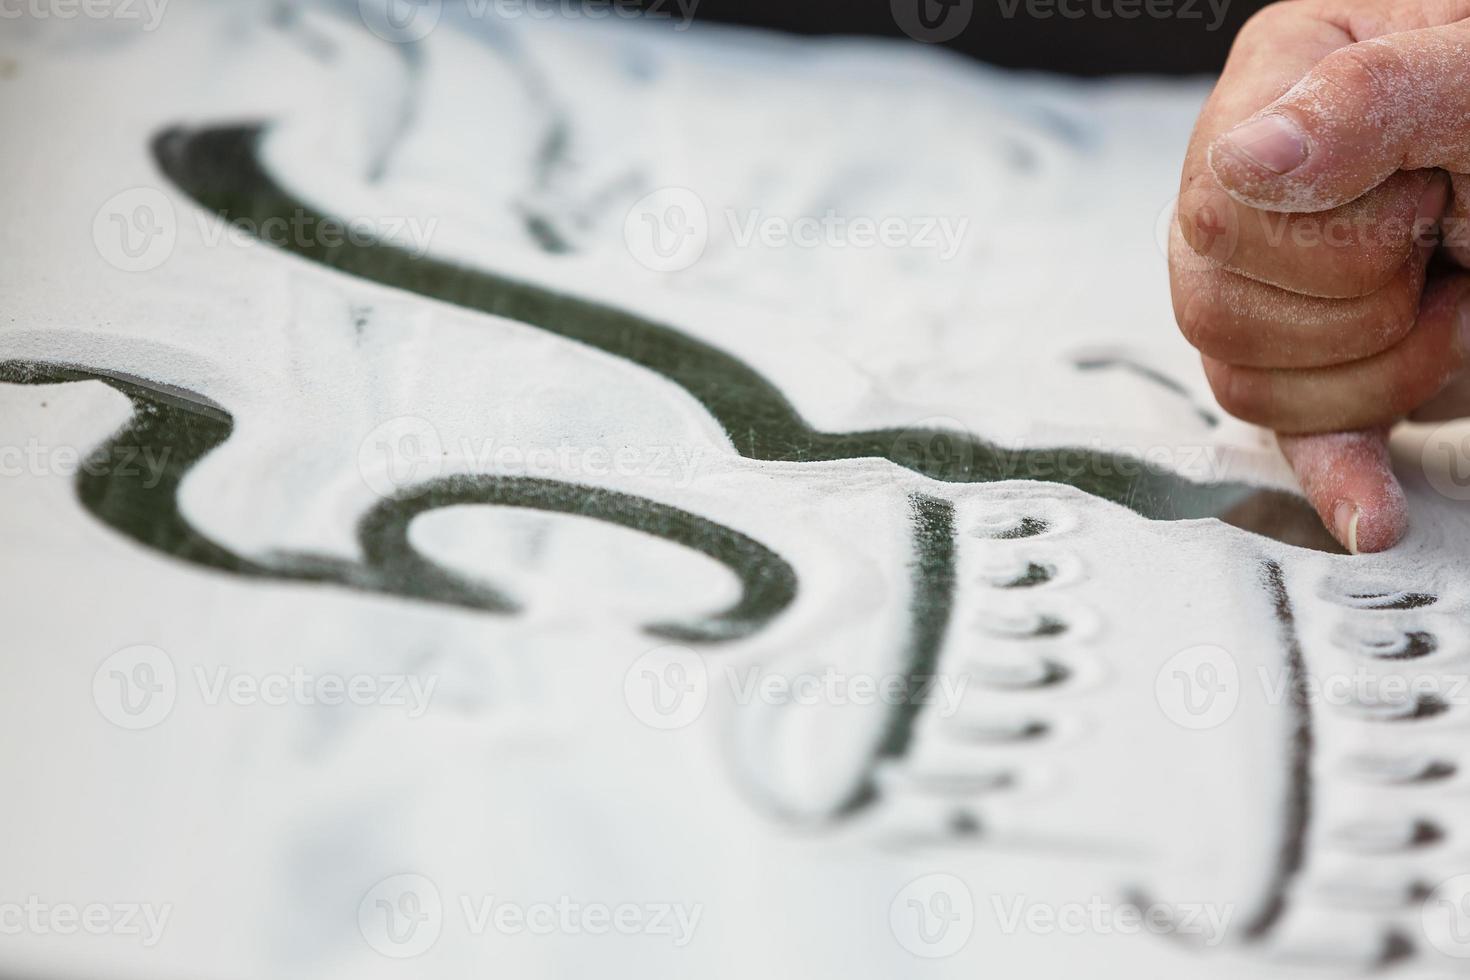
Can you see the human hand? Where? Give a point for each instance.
(1317, 259)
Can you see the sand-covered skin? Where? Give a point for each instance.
(1380, 101)
(1346, 252)
(1242, 321)
(1366, 111)
(1349, 478)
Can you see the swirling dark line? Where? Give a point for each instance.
(219, 168)
(174, 431)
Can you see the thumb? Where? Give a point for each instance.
(1397, 102)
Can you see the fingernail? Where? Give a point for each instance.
(1345, 520)
(1275, 142)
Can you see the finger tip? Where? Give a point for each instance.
(1264, 189)
(1237, 175)
(1375, 522)
(1349, 479)
(1225, 165)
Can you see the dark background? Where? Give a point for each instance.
(1085, 45)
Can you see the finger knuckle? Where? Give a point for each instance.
(1201, 318)
(1237, 392)
(1380, 330)
(1369, 71)
(1365, 271)
(1398, 317)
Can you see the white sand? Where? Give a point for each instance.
(528, 777)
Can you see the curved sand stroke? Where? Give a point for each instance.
(180, 431)
(219, 168)
(931, 604)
